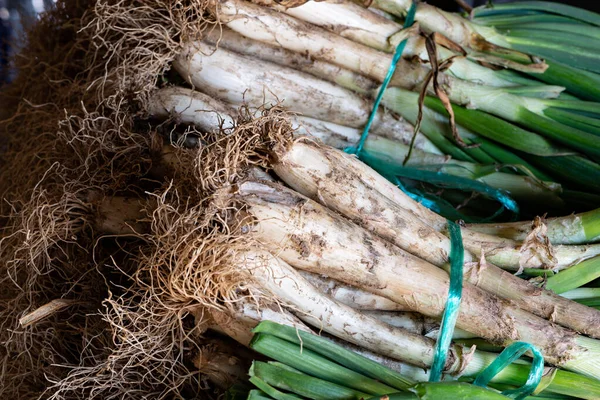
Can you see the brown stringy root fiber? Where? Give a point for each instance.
(73, 129)
(183, 261)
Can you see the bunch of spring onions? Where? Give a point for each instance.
(345, 252)
(514, 140)
(348, 245)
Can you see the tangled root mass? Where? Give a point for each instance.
(110, 315)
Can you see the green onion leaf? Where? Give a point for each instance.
(315, 365)
(336, 353)
(545, 7)
(301, 384)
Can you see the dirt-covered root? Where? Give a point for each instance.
(194, 229)
(145, 352)
(105, 313)
(44, 256)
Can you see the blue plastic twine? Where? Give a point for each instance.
(457, 257)
(451, 310)
(435, 204)
(507, 357)
(410, 19)
(393, 171)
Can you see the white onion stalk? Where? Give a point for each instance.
(433, 124)
(243, 316)
(324, 313)
(571, 229)
(478, 40)
(415, 323)
(270, 26)
(310, 237)
(520, 187)
(351, 296)
(353, 189)
(456, 28)
(236, 79)
(409, 371)
(238, 325)
(192, 107)
(370, 337)
(288, 284)
(513, 255)
(195, 108)
(266, 25)
(231, 40)
(345, 323)
(379, 307)
(503, 252)
(363, 26)
(187, 103)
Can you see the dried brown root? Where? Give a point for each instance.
(45, 311)
(142, 353)
(72, 125)
(183, 260)
(68, 126)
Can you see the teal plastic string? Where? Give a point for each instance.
(456, 182)
(429, 175)
(450, 315)
(410, 19)
(434, 203)
(457, 257)
(507, 357)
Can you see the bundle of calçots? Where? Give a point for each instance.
(322, 264)
(350, 250)
(243, 198)
(507, 121)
